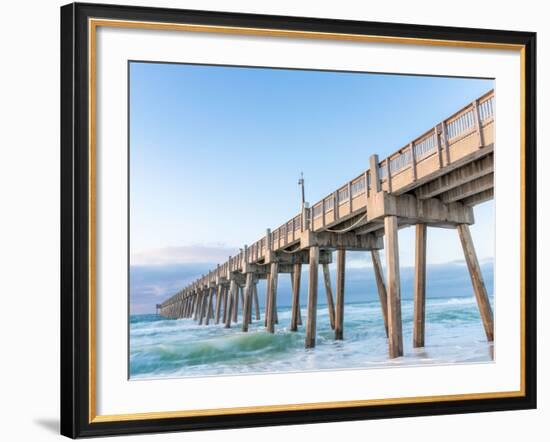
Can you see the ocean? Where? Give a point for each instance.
(163, 348)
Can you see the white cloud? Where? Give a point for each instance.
(183, 255)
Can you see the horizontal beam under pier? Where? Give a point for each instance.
(347, 240)
(408, 207)
(479, 198)
(465, 174)
(299, 255)
(466, 190)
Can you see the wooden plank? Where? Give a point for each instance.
(480, 291)
(340, 284)
(419, 287)
(328, 290)
(296, 276)
(380, 285)
(311, 323)
(395, 329)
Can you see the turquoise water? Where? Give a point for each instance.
(181, 348)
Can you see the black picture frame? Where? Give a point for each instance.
(75, 220)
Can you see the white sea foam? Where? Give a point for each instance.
(175, 348)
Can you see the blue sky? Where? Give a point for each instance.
(215, 152)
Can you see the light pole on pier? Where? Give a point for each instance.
(301, 183)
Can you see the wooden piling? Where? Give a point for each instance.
(230, 299)
(480, 291)
(202, 306)
(419, 287)
(251, 296)
(267, 301)
(381, 286)
(328, 290)
(273, 277)
(198, 298)
(247, 300)
(219, 291)
(209, 307)
(235, 308)
(311, 323)
(226, 295)
(296, 279)
(340, 284)
(395, 329)
(256, 301)
(224, 304)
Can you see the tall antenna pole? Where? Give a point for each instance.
(302, 184)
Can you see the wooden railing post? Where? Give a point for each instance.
(477, 121)
(413, 160)
(349, 196)
(445, 142)
(438, 147)
(375, 173)
(388, 174)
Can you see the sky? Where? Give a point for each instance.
(216, 152)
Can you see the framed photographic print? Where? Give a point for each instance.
(274, 220)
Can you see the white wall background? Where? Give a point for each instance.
(29, 220)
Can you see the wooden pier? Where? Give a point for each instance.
(433, 181)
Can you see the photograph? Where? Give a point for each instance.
(274, 221)
(297, 220)
(281, 220)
